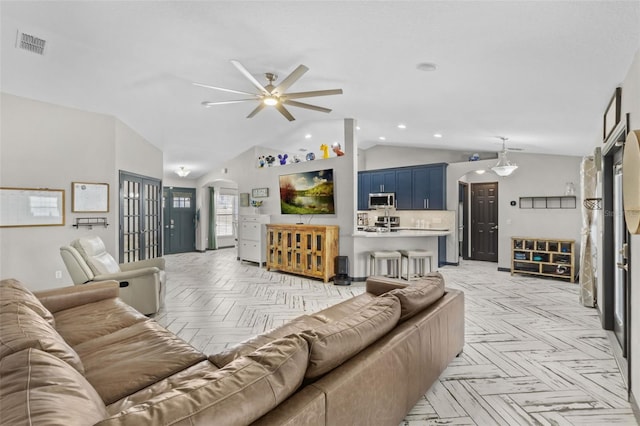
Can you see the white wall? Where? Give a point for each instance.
(386, 156)
(631, 105)
(49, 146)
(243, 171)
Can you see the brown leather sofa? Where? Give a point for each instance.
(80, 356)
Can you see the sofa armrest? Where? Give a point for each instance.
(157, 262)
(377, 285)
(63, 298)
(127, 275)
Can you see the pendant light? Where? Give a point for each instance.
(504, 166)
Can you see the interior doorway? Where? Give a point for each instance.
(484, 221)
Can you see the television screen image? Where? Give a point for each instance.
(307, 193)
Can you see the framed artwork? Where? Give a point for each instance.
(612, 114)
(259, 192)
(89, 197)
(244, 199)
(31, 207)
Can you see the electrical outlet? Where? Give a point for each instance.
(58, 274)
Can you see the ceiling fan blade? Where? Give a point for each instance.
(312, 94)
(284, 111)
(256, 110)
(290, 79)
(307, 106)
(225, 90)
(208, 104)
(248, 75)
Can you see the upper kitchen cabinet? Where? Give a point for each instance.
(404, 185)
(383, 180)
(416, 187)
(429, 187)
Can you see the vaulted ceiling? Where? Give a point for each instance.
(539, 73)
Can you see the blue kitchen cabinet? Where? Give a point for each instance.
(364, 188)
(404, 185)
(429, 187)
(383, 180)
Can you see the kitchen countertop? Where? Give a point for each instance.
(405, 232)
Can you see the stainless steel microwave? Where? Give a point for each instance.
(382, 199)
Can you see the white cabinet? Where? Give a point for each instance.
(252, 238)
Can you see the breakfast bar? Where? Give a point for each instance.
(397, 239)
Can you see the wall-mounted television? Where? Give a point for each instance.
(307, 193)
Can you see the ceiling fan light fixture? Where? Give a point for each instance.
(182, 172)
(270, 100)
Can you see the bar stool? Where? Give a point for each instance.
(419, 257)
(393, 262)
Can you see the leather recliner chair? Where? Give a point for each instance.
(142, 283)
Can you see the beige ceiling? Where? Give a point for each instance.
(539, 72)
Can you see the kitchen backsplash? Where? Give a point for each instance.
(416, 218)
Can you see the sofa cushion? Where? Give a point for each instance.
(237, 394)
(378, 284)
(127, 360)
(294, 326)
(89, 321)
(344, 308)
(21, 328)
(37, 388)
(12, 291)
(416, 298)
(334, 343)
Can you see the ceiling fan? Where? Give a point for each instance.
(271, 95)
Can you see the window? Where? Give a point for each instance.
(225, 214)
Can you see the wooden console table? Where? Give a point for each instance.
(308, 250)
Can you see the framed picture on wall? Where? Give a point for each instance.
(612, 114)
(31, 207)
(89, 197)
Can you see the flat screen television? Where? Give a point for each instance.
(307, 193)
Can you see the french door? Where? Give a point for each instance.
(140, 217)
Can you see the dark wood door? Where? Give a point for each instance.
(484, 221)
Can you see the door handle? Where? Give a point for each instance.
(494, 227)
(623, 266)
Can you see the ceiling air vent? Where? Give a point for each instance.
(30, 43)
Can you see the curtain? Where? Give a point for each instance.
(212, 219)
(588, 254)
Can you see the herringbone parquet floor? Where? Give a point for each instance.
(533, 354)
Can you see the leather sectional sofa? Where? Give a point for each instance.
(80, 356)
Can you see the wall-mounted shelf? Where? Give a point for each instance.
(90, 222)
(552, 202)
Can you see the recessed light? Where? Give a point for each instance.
(426, 66)
(357, 127)
(382, 138)
(437, 135)
(402, 126)
(480, 172)
(307, 136)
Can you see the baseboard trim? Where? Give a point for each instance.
(504, 269)
(451, 263)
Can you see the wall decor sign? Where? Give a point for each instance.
(260, 192)
(612, 114)
(89, 197)
(31, 207)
